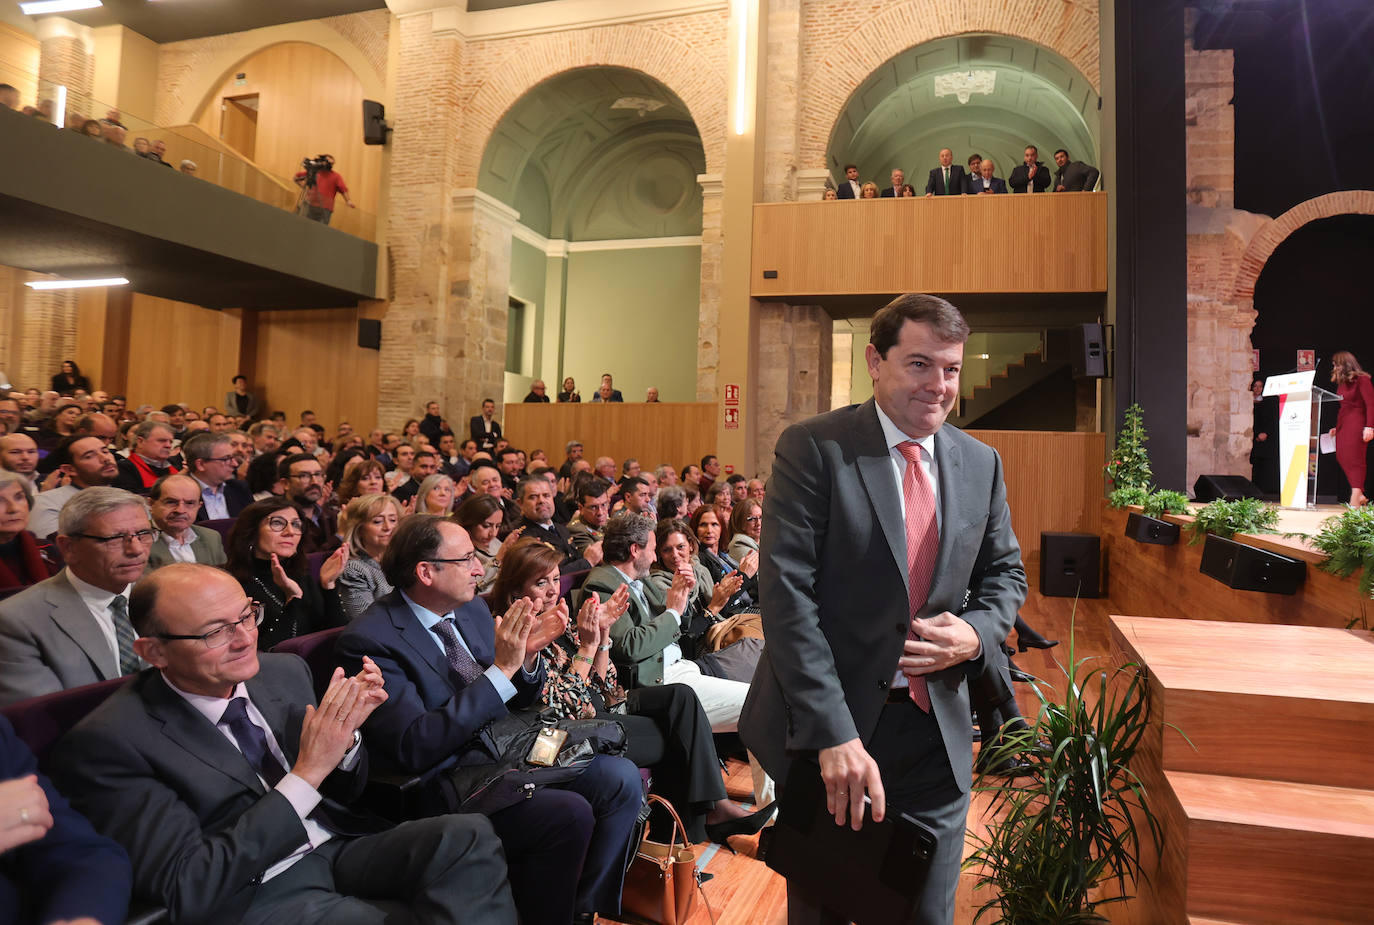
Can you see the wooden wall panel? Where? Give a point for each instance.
(19, 63)
(949, 244)
(1054, 483)
(666, 432)
(311, 359)
(1164, 581)
(179, 353)
(310, 102)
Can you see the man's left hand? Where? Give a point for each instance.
(945, 640)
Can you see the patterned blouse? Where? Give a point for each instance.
(566, 692)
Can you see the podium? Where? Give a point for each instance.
(1300, 409)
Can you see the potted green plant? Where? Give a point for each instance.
(1149, 525)
(1348, 541)
(1227, 518)
(1129, 466)
(1065, 837)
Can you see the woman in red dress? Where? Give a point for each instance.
(1355, 422)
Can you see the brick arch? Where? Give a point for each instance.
(1067, 27)
(1263, 244)
(698, 81)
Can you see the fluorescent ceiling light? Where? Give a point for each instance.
(39, 7)
(76, 283)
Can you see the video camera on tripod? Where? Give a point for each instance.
(312, 167)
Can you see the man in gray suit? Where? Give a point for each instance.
(228, 787)
(73, 628)
(877, 522)
(174, 502)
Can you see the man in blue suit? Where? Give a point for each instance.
(53, 865)
(986, 182)
(450, 670)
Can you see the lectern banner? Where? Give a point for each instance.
(1295, 432)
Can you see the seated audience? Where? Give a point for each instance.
(149, 459)
(266, 558)
(637, 495)
(566, 843)
(869, 191)
(670, 502)
(1030, 176)
(19, 454)
(898, 181)
(573, 452)
(908, 191)
(25, 557)
(536, 520)
(83, 462)
(986, 182)
(721, 497)
(538, 392)
(54, 868)
(739, 487)
(435, 495)
(69, 380)
(676, 549)
(482, 518)
(665, 474)
(230, 791)
(188, 167)
(1073, 176)
(210, 461)
(174, 500)
(849, 188)
(73, 628)
(756, 489)
(303, 478)
(593, 497)
(400, 476)
(746, 520)
(707, 526)
(607, 392)
(947, 179)
(368, 523)
(829, 194)
(665, 725)
(485, 479)
(569, 393)
(61, 424)
(366, 478)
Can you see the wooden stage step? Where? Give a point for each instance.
(1275, 853)
(1286, 703)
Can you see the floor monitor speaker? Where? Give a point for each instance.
(1246, 568)
(1224, 487)
(1069, 564)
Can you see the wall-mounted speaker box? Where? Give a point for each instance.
(1069, 564)
(374, 123)
(1226, 487)
(1145, 529)
(1246, 568)
(1089, 352)
(370, 333)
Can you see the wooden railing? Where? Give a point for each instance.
(1053, 242)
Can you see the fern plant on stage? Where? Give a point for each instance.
(1066, 837)
(1163, 501)
(1227, 518)
(1129, 467)
(1348, 541)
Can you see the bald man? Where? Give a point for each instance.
(19, 453)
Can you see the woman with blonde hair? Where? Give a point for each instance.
(1354, 422)
(869, 190)
(435, 495)
(367, 526)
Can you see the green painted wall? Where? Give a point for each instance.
(526, 272)
(633, 313)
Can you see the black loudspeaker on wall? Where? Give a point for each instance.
(1069, 564)
(374, 123)
(1246, 568)
(1225, 487)
(1090, 352)
(370, 333)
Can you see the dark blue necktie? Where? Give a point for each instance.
(252, 741)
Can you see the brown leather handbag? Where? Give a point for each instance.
(662, 883)
(732, 629)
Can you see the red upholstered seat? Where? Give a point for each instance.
(41, 721)
(318, 651)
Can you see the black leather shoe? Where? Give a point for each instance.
(1034, 640)
(1021, 677)
(1007, 767)
(752, 824)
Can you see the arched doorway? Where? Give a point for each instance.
(602, 165)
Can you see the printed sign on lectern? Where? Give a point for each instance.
(1299, 416)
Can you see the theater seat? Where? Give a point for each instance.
(222, 527)
(571, 580)
(318, 651)
(41, 721)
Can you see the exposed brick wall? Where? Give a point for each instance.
(65, 61)
(687, 54)
(1209, 84)
(47, 329)
(368, 31)
(844, 41)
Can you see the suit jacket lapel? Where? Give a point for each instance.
(417, 637)
(284, 721)
(875, 471)
(74, 618)
(197, 736)
(481, 639)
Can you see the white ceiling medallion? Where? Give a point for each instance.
(963, 84)
(638, 103)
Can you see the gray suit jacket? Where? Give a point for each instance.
(50, 642)
(832, 584)
(153, 774)
(208, 549)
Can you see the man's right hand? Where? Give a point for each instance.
(594, 553)
(849, 771)
(512, 636)
(327, 731)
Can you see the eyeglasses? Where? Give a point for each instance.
(755, 519)
(220, 636)
(308, 476)
(142, 537)
(279, 525)
(220, 459)
(461, 560)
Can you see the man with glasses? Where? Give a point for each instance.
(73, 628)
(84, 462)
(211, 461)
(175, 500)
(451, 670)
(305, 488)
(593, 510)
(230, 789)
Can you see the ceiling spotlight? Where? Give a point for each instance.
(39, 7)
(76, 283)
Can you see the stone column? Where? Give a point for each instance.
(708, 316)
(65, 58)
(793, 371)
(781, 78)
(479, 300)
(811, 183)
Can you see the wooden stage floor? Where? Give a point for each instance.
(743, 891)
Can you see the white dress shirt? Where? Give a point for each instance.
(672, 652)
(181, 551)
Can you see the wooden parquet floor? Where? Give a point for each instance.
(743, 891)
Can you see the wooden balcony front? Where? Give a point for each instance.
(1049, 243)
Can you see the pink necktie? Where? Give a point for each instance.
(922, 545)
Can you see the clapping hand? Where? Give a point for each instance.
(680, 591)
(613, 607)
(333, 566)
(284, 581)
(549, 625)
(749, 565)
(327, 732)
(513, 630)
(724, 590)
